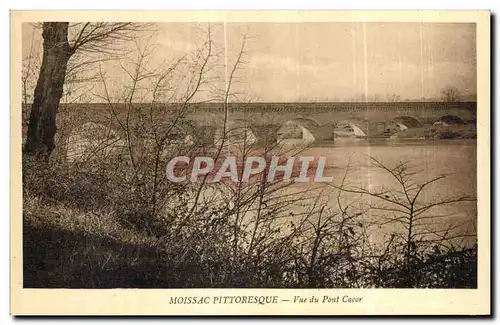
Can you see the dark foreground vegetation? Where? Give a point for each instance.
(467, 131)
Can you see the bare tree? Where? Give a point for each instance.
(61, 41)
(450, 94)
(406, 206)
(393, 98)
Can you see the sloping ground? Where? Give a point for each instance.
(60, 258)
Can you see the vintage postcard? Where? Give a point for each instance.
(250, 162)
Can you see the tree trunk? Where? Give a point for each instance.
(48, 92)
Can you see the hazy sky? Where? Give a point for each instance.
(333, 61)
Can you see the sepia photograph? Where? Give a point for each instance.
(263, 153)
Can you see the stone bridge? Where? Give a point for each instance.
(314, 122)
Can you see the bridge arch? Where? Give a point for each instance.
(185, 133)
(181, 136)
(353, 128)
(308, 119)
(238, 132)
(92, 139)
(405, 122)
(303, 129)
(349, 129)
